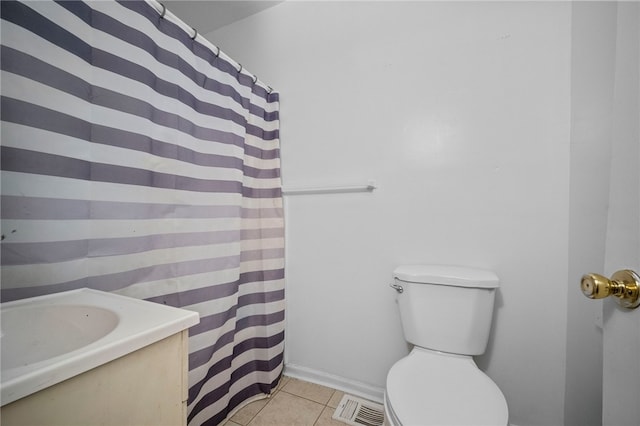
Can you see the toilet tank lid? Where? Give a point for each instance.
(459, 276)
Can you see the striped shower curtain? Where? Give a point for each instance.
(140, 161)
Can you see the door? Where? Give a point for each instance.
(621, 333)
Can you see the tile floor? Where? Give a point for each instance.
(294, 403)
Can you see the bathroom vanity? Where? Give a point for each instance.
(87, 357)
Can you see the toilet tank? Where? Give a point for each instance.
(446, 308)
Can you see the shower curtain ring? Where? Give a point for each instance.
(195, 33)
(240, 70)
(270, 89)
(255, 79)
(164, 10)
(218, 52)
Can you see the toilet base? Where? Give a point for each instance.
(426, 388)
(389, 417)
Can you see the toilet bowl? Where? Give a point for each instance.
(446, 314)
(431, 388)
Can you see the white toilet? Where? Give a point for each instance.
(446, 314)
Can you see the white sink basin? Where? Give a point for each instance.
(51, 338)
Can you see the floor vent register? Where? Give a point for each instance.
(356, 411)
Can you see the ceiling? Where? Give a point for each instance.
(208, 15)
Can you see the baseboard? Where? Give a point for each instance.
(353, 387)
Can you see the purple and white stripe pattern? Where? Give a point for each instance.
(136, 160)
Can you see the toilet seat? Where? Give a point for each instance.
(432, 388)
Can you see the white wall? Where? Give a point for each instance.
(461, 113)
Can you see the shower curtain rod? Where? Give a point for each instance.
(193, 33)
(330, 189)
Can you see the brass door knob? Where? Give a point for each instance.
(624, 285)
